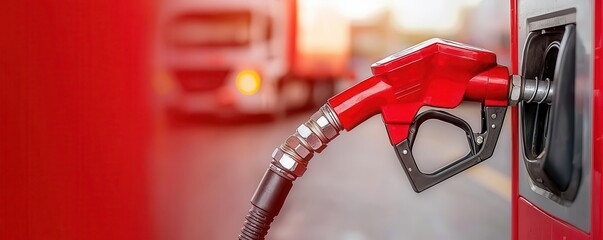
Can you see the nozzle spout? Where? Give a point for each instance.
(531, 90)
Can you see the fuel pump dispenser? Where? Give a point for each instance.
(557, 148)
(437, 73)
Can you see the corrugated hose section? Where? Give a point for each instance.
(257, 223)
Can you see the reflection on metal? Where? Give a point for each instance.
(531, 90)
(290, 160)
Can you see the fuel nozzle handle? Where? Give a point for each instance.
(437, 73)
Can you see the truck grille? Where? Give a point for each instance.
(200, 80)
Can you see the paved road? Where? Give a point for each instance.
(204, 175)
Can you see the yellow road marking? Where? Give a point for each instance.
(492, 179)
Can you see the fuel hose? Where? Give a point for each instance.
(289, 162)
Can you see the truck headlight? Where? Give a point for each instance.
(248, 82)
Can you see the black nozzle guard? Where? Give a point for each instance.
(492, 120)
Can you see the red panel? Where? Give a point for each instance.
(597, 171)
(74, 119)
(534, 224)
(514, 126)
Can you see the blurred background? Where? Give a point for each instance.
(156, 120)
(234, 78)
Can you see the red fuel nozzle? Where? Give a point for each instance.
(436, 73)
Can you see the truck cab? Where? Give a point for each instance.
(218, 56)
(236, 57)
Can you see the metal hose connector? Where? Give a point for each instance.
(289, 161)
(291, 158)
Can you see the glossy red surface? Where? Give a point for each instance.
(74, 119)
(490, 87)
(534, 224)
(439, 74)
(597, 168)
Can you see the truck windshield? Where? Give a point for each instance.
(226, 29)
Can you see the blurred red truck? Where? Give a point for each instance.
(235, 57)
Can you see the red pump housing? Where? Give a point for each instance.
(437, 73)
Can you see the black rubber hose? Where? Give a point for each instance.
(267, 202)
